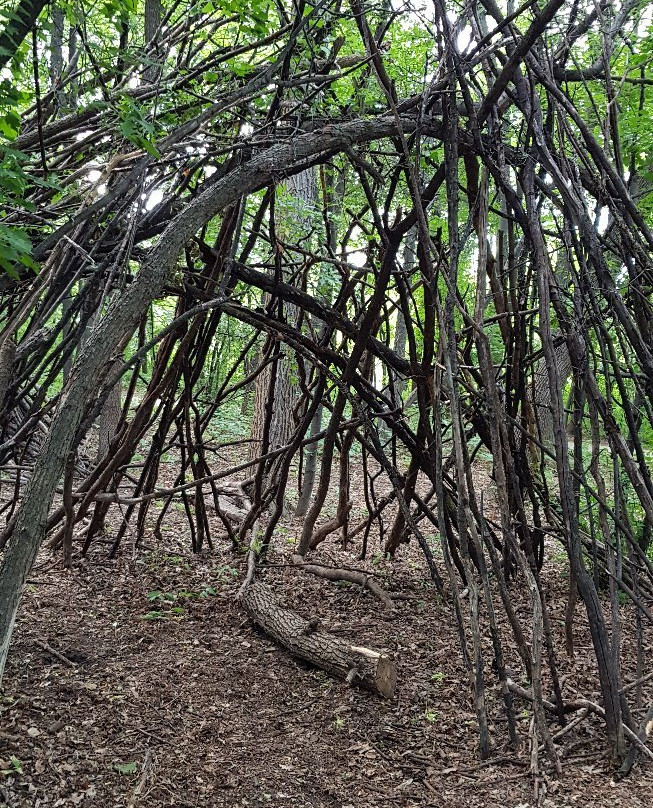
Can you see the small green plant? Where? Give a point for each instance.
(167, 599)
(339, 722)
(162, 599)
(126, 768)
(431, 717)
(154, 615)
(162, 596)
(226, 572)
(437, 676)
(12, 768)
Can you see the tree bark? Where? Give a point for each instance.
(310, 465)
(152, 24)
(333, 192)
(293, 225)
(7, 357)
(542, 389)
(56, 44)
(109, 420)
(152, 19)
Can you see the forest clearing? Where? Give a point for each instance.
(326, 403)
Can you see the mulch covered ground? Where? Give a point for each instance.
(165, 694)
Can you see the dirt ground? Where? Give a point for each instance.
(140, 682)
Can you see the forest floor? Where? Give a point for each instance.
(165, 694)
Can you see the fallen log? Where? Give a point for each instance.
(373, 670)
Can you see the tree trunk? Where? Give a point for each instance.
(398, 383)
(310, 465)
(71, 92)
(152, 19)
(109, 420)
(369, 669)
(7, 356)
(333, 191)
(541, 390)
(20, 24)
(152, 25)
(293, 214)
(56, 44)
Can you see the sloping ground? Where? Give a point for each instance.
(172, 698)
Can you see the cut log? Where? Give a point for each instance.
(233, 501)
(373, 670)
(227, 507)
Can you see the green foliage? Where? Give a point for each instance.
(165, 600)
(229, 423)
(253, 13)
(15, 248)
(226, 573)
(115, 9)
(154, 615)
(12, 98)
(157, 595)
(15, 244)
(135, 127)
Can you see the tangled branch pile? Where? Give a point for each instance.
(425, 232)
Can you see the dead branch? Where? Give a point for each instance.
(351, 576)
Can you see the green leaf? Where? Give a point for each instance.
(126, 768)
(15, 248)
(240, 69)
(154, 616)
(13, 767)
(150, 148)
